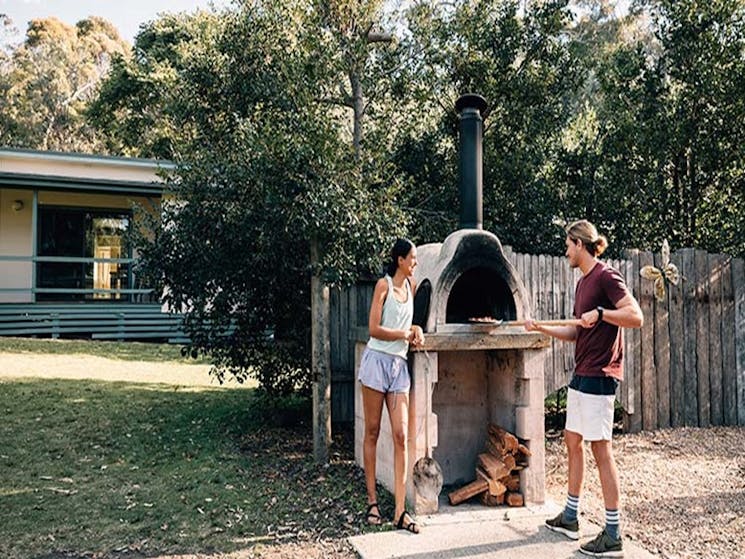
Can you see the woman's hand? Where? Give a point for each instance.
(415, 335)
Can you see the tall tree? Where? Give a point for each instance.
(48, 80)
(272, 191)
(135, 110)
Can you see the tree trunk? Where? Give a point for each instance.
(321, 368)
(358, 106)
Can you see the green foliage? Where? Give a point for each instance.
(664, 159)
(633, 122)
(267, 169)
(47, 81)
(136, 109)
(524, 66)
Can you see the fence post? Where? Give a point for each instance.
(702, 337)
(716, 412)
(648, 374)
(633, 422)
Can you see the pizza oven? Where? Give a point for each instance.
(475, 368)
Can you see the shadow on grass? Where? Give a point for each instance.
(101, 469)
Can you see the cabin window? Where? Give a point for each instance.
(83, 254)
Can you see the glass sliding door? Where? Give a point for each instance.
(78, 253)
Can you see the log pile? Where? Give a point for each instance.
(497, 471)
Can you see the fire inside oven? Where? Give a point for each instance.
(480, 293)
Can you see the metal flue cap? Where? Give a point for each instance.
(470, 101)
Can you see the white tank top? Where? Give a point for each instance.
(397, 316)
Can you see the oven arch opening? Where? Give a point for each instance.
(480, 292)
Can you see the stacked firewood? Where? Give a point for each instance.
(497, 471)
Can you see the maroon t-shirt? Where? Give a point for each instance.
(599, 350)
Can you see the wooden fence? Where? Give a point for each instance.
(686, 366)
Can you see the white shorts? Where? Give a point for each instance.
(590, 415)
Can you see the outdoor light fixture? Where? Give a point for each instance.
(17, 205)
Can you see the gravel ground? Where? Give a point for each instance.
(683, 490)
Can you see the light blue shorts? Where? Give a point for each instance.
(384, 372)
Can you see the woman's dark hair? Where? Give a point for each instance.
(402, 247)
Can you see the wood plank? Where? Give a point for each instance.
(509, 339)
(729, 363)
(715, 263)
(568, 349)
(662, 353)
(494, 467)
(516, 261)
(512, 482)
(633, 418)
(648, 372)
(738, 290)
(627, 388)
(353, 314)
(690, 380)
(677, 343)
(534, 284)
(347, 321)
(335, 310)
(503, 438)
(490, 500)
(544, 287)
(514, 499)
(342, 399)
(560, 279)
(556, 271)
(701, 262)
(546, 310)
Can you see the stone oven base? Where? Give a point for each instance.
(468, 389)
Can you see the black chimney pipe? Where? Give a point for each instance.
(470, 176)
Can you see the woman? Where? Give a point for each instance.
(384, 375)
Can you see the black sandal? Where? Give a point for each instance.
(410, 527)
(377, 519)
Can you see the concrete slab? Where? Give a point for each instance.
(474, 531)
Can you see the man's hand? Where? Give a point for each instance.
(589, 319)
(531, 325)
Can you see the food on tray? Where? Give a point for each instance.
(483, 320)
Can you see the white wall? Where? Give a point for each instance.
(15, 240)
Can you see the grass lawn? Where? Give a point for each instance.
(100, 468)
(129, 351)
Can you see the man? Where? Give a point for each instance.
(604, 305)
